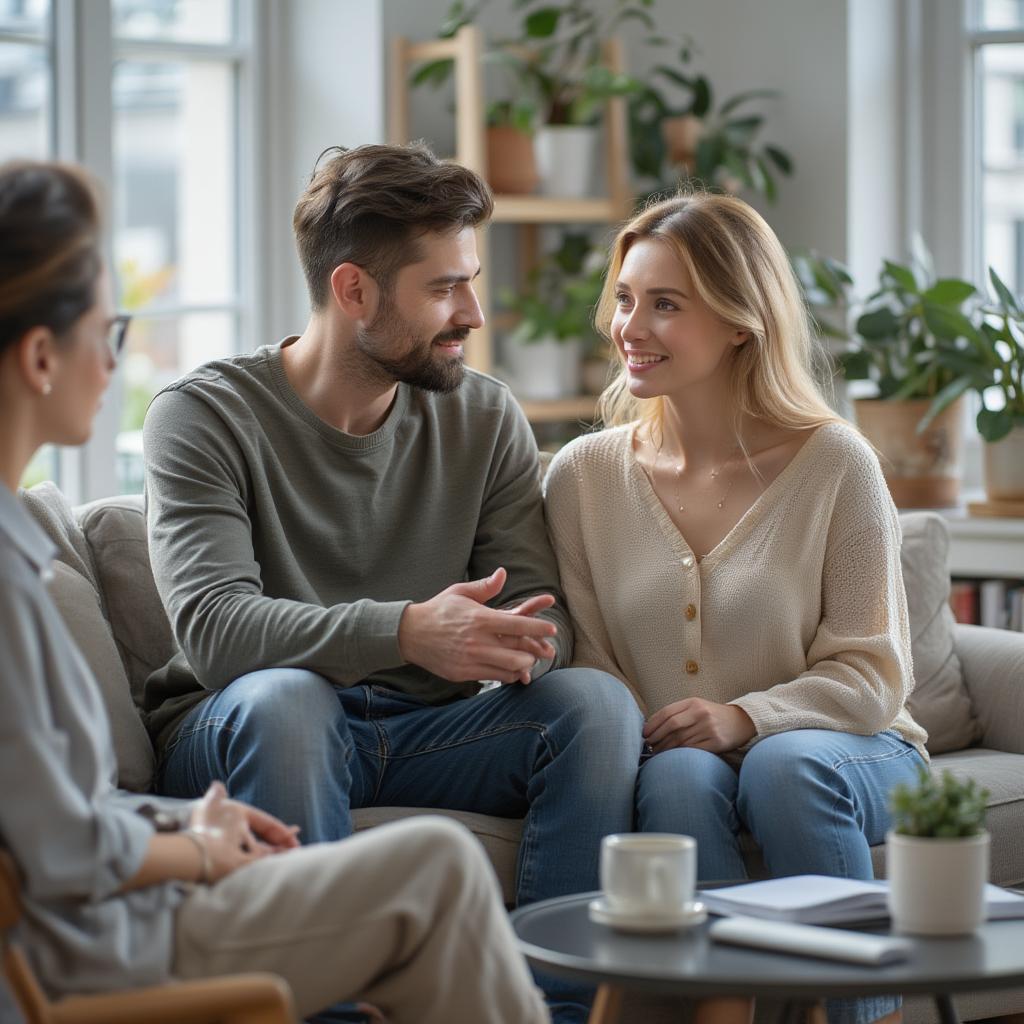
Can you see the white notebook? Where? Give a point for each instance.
(818, 899)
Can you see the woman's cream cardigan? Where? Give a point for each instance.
(798, 616)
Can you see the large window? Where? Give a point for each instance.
(156, 97)
(26, 117)
(996, 33)
(175, 141)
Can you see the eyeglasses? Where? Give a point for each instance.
(116, 334)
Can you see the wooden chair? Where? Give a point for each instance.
(236, 999)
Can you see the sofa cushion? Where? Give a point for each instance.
(115, 529)
(940, 701)
(73, 590)
(79, 605)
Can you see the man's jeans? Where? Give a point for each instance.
(815, 801)
(562, 752)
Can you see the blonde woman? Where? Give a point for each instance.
(729, 550)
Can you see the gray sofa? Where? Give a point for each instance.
(969, 693)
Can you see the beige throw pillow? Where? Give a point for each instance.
(940, 701)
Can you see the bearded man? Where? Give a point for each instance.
(347, 533)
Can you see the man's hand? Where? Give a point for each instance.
(236, 834)
(695, 722)
(456, 636)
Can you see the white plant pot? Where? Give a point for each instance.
(543, 369)
(567, 159)
(1004, 467)
(936, 886)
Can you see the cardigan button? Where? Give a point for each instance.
(692, 667)
(691, 612)
(687, 561)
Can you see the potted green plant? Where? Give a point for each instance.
(916, 420)
(563, 47)
(988, 357)
(937, 855)
(719, 148)
(555, 332)
(558, 60)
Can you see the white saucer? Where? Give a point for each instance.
(691, 915)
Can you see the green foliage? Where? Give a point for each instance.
(556, 58)
(944, 808)
(561, 293)
(729, 152)
(827, 287)
(919, 336)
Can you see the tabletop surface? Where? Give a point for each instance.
(558, 935)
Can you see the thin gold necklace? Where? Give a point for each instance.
(677, 472)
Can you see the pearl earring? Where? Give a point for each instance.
(47, 388)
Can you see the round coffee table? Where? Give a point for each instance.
(558, 936)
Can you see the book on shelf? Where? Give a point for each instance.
(819, 899)
(995, 603)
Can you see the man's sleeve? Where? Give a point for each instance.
(201, 549)
(511, 531)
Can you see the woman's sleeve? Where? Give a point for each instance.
(860, 671)
(593, 646)
(69, 840)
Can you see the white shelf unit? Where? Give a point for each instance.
(984, 548)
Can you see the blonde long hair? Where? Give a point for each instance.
(740, 269)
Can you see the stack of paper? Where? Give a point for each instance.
(818, 899)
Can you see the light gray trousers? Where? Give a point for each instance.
(407, 917)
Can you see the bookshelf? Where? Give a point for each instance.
(987, 569)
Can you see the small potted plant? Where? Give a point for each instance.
(937, 856)
(563, 47)
(555, 333)
(511, 165)
(559, 62)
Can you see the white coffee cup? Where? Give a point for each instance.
(648, 873)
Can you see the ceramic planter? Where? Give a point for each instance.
(1004, 467)
(511, 167)
(544, 369)
(681, 135)
(922, 470)
(566, 159)
(936, 886)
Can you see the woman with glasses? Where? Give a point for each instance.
(407, 916)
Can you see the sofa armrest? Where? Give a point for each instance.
(993, 664)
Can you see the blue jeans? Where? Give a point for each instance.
(561, 752)
(815, 801)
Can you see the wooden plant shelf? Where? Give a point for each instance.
(553, 210)
(583, 408)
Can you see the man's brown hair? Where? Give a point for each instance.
(371, 205)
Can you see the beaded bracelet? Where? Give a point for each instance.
(204, 853)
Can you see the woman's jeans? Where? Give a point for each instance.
(561, 752)
(815, 801)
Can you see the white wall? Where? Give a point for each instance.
(326, 88)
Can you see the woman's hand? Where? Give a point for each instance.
(695, 722)
(236, 834)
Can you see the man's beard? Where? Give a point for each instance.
(420, 367)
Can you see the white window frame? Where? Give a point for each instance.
(82, 53)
